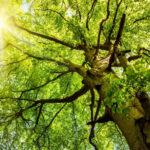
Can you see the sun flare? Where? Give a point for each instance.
(2, 23)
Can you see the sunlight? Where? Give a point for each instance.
(26, 6)
(2, 26)
(70, 13)
(2, 23)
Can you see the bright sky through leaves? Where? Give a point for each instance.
(71, 72)
(2, 24)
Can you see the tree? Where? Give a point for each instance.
(75, 75)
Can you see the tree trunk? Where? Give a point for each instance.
(136, 131)
(135, 128)
(131, 131)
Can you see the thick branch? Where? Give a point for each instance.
(134, 57)
(76, 68)
(70, 45)
(144, 99)
(117, 41)
(102, 47)
(121, 27)
(105, 118)
(68, 99)
(41, 102)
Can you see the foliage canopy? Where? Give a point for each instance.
(63, 62)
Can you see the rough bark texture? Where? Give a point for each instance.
(136, 131)
(131, 131)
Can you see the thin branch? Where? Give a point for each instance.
(58, 13)
(141, 51)
(46, 83)
(38, 57)
(39, 113)
(100, 30)
(51, 121)
(89, 15)
(76, 27)
(14, 62)
(146, 50)
(114, 21)
(54, 11)
(148, 55)
(78, 10)
(101, 24)
(142, 19)
(56, 114)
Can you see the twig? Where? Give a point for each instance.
(142, 19)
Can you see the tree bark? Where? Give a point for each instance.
(136, 131)
(131, 131)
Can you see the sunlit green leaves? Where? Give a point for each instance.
(25, 77)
